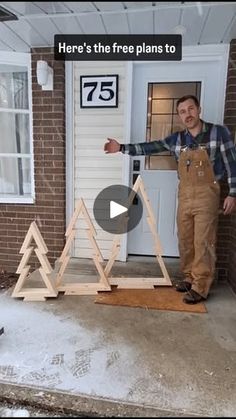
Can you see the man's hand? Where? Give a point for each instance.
(229, 205)
(112, 146)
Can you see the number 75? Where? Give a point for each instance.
(102, 87)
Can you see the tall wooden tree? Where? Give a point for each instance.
(144, 282)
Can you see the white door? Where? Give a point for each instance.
(162, 185)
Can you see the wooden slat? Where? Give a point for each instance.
(137, 282)
(74, 217)
(83, 289)
(34, 298)
(44, 261)
(25, 259)
(67, 246)
(61, 271)
(51, 288)
(20, 281)
(34, 234)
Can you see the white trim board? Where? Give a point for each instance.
(69, 110)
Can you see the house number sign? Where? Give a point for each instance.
(99, 91)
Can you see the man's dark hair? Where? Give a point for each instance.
(183, 98)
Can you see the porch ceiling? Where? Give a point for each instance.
(38, 22)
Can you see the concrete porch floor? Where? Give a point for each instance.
(121, 361)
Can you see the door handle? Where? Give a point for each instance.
(136, 165)
(135, 200)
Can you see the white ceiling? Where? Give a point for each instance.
(38, 22)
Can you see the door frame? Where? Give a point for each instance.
(198, 53)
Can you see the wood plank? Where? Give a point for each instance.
(34, 234)
(95, 246)
(138, 282)
(114, 252)
(25, 259)
(88, 219)
(81, 292)
(62, 270)
(103, 279)
(33, 292)
(20, 281)
(74, 218)
(68, 243)
(135, 286)
(38, 238)
(164, 270)
(51, 288)
(27, 240)
(45, 264)
(82, 289)
(34, 298)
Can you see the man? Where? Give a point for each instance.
(204, 152)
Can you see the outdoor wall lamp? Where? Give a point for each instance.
(44, 75)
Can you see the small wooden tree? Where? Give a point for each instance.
(30, 293)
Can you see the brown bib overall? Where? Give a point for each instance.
(197, 218)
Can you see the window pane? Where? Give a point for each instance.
(177, 124)
(162, 118)
(174, 90)
(14, 129)
(13, 87)
(15, 177)
(161, 126)
(162, 106)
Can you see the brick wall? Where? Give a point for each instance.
(229, 231)
(49, 165)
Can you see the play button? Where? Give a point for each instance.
(116, 209)
(113, 211)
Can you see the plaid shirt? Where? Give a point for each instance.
(218, 142)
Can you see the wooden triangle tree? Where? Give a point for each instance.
(30, 293)
(144, 282)
(87, 287)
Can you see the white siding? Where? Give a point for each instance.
(93, 169)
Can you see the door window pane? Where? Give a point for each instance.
(177, 124)
(160, 126)
(162, 106)
(174, 90)
(162, 118)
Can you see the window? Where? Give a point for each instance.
(16, 150)
(162, 118)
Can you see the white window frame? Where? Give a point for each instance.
(24, 59)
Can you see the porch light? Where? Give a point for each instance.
(44, 75)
